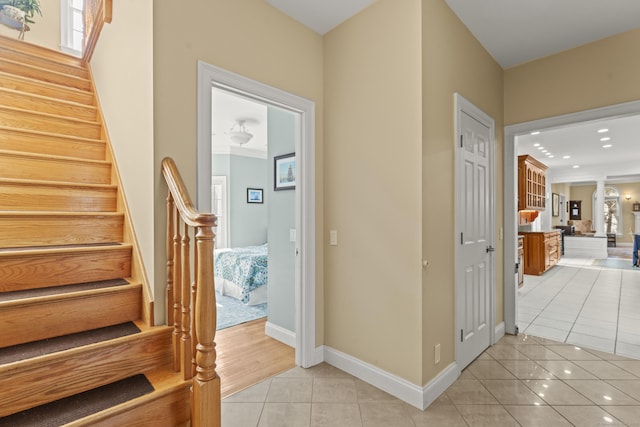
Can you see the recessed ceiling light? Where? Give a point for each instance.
(566, 157)
(606, 138)
(603, 130)
(576, 166)
(537, 144)
(545, 151)
(550, 156)
(607, 146)
(540, 148)
(535, 133)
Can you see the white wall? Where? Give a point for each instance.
(122, 67)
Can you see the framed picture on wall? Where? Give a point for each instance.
(284, 172)
(555, 204)
(575, 209)
(254, 195)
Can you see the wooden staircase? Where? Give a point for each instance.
(63, 222)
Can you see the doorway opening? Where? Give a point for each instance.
(302, 235)
(553, 214)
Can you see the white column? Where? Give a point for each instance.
(598, 209)
(636, 229)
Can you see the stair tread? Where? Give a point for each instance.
(53, 116)
(43, 183)
(52, 134)
(60, 248)
(64, 289)
(53, 55)
(81, 405)
(51, 85)
(48, 98)
(25, 154)
(65, 342)
(46, 70)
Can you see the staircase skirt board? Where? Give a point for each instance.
(23, 166)
(48, 89)
(24, 229)
(25, 119)
(47, 64)
(16, 195)
(78, 370)
(29, 269)
(42, 104)
(49, 317)
(52, 345)
(27, 141)
(26, 70)
(69, 409)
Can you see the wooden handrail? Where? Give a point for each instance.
(184, 204)
(96, 13)
(193, 340)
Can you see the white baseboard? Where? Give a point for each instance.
(281, 334)
(500, 328)
(420, 397)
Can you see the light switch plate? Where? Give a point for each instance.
(333, 238)
(292, 235)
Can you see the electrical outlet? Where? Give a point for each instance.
(436, 352)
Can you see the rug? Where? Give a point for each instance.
(619, 263)
(233, 312)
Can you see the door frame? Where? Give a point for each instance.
(510, 189)
(210, 76)
(462, 105)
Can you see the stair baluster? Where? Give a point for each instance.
(185, 342)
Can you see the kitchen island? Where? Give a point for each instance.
(585, 246)
(541, 250)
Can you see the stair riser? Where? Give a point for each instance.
(48, 198)
(170, 410)
(24, 231)
(36, 87)
(44, 75)
(25, 271)
(52, 124)
(46, 105)
(17, 140)
(37, 61)
(69, 314)
(51, 169)
(103, 364)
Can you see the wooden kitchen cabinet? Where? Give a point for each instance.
(541, 251)
(531, 184)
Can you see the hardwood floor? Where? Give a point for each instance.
(247, 356)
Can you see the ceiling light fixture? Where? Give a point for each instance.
(606, 138)
(238, 134)
(535, 133)
(603, 130)
(540, 148)
(576, 166)
(566, 157)
(537, 144)
(607, 146)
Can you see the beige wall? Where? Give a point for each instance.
(122, 67)
(46, 30)
(372, 154)
(594, 75)
(453, 61)
(248, 37)
(584, 193)
(561, 189)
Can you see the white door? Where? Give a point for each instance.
(475, 219)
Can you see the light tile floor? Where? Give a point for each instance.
(578, 303)
(520, 381)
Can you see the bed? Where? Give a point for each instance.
(241, 273)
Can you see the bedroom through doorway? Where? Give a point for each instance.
(253, 189)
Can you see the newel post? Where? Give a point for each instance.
(206, 384)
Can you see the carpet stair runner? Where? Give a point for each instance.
(78, 345)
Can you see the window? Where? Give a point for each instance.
(611, 207)
(219, 207)
(72, 26)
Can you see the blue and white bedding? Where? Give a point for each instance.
(242, 273)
